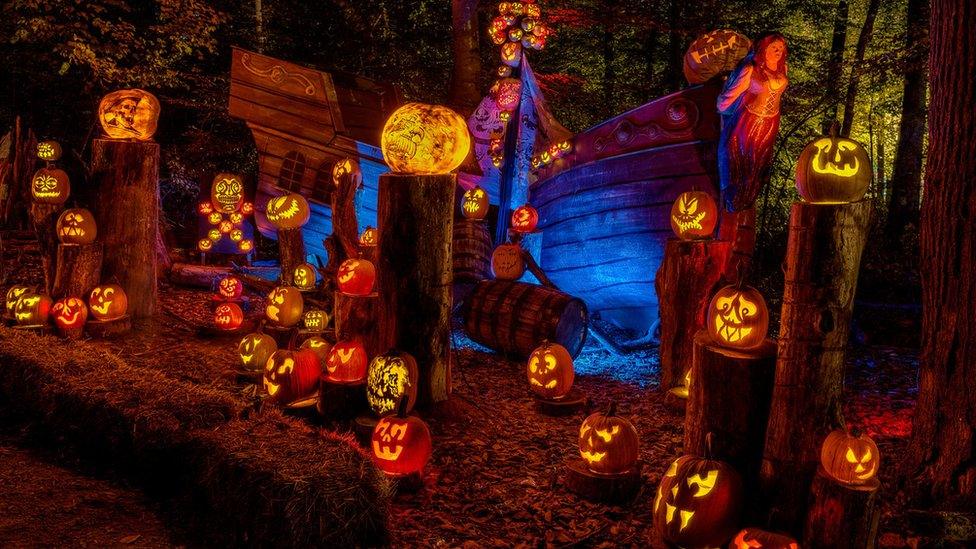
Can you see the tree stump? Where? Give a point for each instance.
(107, 329)
(685, 282)
(126, 174)
(821, 267)
(416, 218)
(291, 254)
(45, 218)
(841, 516)
(79, 270)
(618, 488)
(357, 317)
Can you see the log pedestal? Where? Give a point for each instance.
(842, 516)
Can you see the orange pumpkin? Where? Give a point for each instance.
(756, 538)
(346, 362)
(608, 443)
(713, 54)
(525, 218)
(833, 170)
(550, 371)
(76, 226)
(389, 378)
(108, 302)
(49, 151)
(288, 211)
(737, 317)
(319, 346)
(129, 114)
(507, 262)
(255, 349)
(474, 204)
(227, 192)
(401, 444)
(425, 139)
(698, 503)
(304, 276)
(850, 457)
(356, 277)
(369, 237)
(13, 294)
(315, 320)
(694, 215)
(291, 375)
(69, 313)
(205, 244)
(32, 309)
(285, 305)
(50, 186)
(228, 316)
(230, 287)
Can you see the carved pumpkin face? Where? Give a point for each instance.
(70, 312)
(214, 218)
(285, 305)
(49, 151)
(76, 226)
(755, 538)
(289, 211)
(32, 309)
(108, 302)
(401, 445)
(474, 205)
(205, 245)
(129, 114)
(315, 320)
(346, 167)
(50, 186)
(507, 93)
(698, 503)
(228, 316)
(245, 246)
(525, 218)
(833, 170)
(388, 378)
(694, 215)
(255, 350)
(237, 235)
(738, 317)
(291, 375)
(230, 287)
(356, 277)
(425, 139)
(511, 53)
(13, 294)
(304, 276)
(318, 346)
(227, 192)
(850, 458)
(550, 371)
(346, 362)
(715, 53)
(507, 262)
(608, 443)
(368, 238)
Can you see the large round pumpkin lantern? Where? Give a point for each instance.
(227, 192)
(69, 313)
(389, 378)
(50, 186)
(694, 215)
(507, 262)
(76, 226)
(401, 444)
(255, 349)
(289, 211)
(228, 316)
(850, 457)
(833, 170)
(608, 443)
(291, 375)
(13, 294)
(108, 302)
(129, 114)
(356, 277)
(715, 53)
(425, 139)
(474, 204)
(525, 219)
(346, 362)
(737, 317)
(550, 371)
(756, 538)
(32, 309)
(285, 305)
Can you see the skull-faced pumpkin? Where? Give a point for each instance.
(550, 371)
(850, 457)
(608, 443)
(255, 350)
(346, 362)
(737, 317)
(698, 502)
(32, 309)
(228, 316)
(285, 305)
(291, 375)
(356, 277)
(227, 192)
(69, 313)
(756, 538)
(401, 444)
(474, 204)
(304, 276)
(76, 226)
(315, 320)
(694, 215)
(390, 377)
(108, 302)
(425, 139)
(525, 218)
(507, 262)
(50, 186)
(129, 114)
(288, 211)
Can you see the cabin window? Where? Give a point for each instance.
(292, 171)
(322, 190)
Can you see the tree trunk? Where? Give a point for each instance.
(79, 268)
(674, 73)
(291, 254)
(343, 243)
(259, 25)
(842, 517)
(609, 74)
(465, 34)
(835, 62)
(906, 177)
(942, 452)
(863, 40)
(45, 218)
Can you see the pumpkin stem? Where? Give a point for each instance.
(401, 410)
(612, 409)
(708, 445)
(856, 433)
(740, 275)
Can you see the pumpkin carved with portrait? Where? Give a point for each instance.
(425, 139)
(129, 114)
(108, 302)
(389, 378)
(76, 226)
(608, 443)
(737, 317)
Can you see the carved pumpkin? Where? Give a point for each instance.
(291, 375)
(608, 443)
(227, 192)
(230, 287)
(715, 53)
(369, 237)
(237, 235)
(850, 457)
(525, 218)
(474, 204)
(318, 346)
(833, 170)
(425, 139)
(13, 294)
(50, 186)
(755, 538)
(49, 151)
(285, 305)
(507, 262)
(694, 215)
(69, 313)
(550, 371)
(255, 349)
(246, 246)
(507, 92)
(205, 245)
(356, 277)
(390, 377)
(228, 316)
(32, 309)
(737, 317)
(344, 167)
(76, 226)
(346, 362)
(289, 211)
(304, 276)
(108, 302)
(401, 444)
(214, 218)
(698, 502)
(315, 320)
(214, 235)
(129, 114)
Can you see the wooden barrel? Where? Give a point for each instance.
(472, 250)
(514, 317)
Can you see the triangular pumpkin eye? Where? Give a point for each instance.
(672, 470)
(851, 456)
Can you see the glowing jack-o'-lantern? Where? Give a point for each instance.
(76, 226)
(507, 93)
(525, 218)
(285, 305)
(345, 167)
(755, 538)
(550, 371)
(49, 151)
(425, 139)
(50, 186)
(850, 457)
(737, 317)
(69, 313)
(205, 245)
(698, 502)
(255, 349)
(227, 192)
(356, 277)
(315, 320)
(474, 205)
(304, 276)
(228, 316)
(507, 262)
(288, 211)
(32, 309)
(129, 114)
(291, 375)
(608, 442)
(318, 346)
(108, 302)
(389, 378)
(369, 237)
(13, 294)
(694, 215)
(833, 170)
(715, 53)
(401, 444)
(245, 246)
(346, 362)
(230, 287)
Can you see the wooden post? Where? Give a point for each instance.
(44, 218)
(291, 254)
(840, 516)
(343, 243)
(822, 261)
(126, 174)
(79, 270)
(729, 397)
(416, 226)
(685, 282)
(357, 317)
